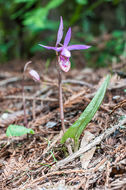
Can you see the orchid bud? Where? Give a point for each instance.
(34, 75)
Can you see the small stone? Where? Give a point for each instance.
(51, 124)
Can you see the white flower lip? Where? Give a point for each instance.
(66, 53)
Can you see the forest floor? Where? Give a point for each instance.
(38, 162)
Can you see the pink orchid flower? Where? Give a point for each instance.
(34, 75)
(64, 50)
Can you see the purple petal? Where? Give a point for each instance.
(60, 32)
(65, 52)
(77, 47)
(53, 48)
(67, 37)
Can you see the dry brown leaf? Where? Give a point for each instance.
(87, 156)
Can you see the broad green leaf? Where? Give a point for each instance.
(37, 18)
(17, 130)
(117, 33)
(77, 128)
(54, 3)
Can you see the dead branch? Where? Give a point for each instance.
(10, 80)
(95, 142)
(82, 83)
(30, 98)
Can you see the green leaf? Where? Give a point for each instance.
(23, 1)
(77, 128)
(54, 4)
(17, 130)
(82, 2)
(117, 33)
(37, 18)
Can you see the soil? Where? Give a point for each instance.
(29, 161)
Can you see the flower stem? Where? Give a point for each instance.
(60, 95)
(61, 101)
(24, 105)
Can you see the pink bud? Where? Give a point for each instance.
(35, 76)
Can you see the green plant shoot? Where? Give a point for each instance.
(17, 130)
(77, 128)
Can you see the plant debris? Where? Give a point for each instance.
(39, 161)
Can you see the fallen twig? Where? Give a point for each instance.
(31, 98)
(10, 80)
(96, 141)
(119, 105)
(82, 83)
(16, 116)
(53, 173)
